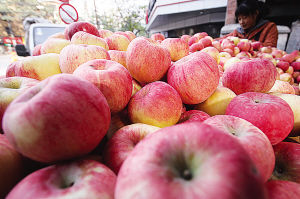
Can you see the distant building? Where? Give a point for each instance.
(177, 17)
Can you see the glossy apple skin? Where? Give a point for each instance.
(11, 169)
(36, 67)
(82, 37)
(256, 75)
(254, 141)
(78, 179)
(10, 88)
(147, 62)
(105, 33)
(111, 78)
(118, 56)
(74, 55)
(193, 116)
(60, 118)
(269, 113)
(287, 165)
(190, 160)
(177, 48)
(157, 37)
(156, 104)
(122, 143)
(80, 26)
(281, 189)
(117, 42)
(217, 103)
(54, 45)
(195, 77)
(282, 87)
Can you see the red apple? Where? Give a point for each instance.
(217, 45)
(269, 113)
(206, 42)
(147, 62)
(193, 116)
(282, 87)
(226, 43)
(296, 66)
(118, 56)
(254, 141)
(72, 28)
(157, 104)
(287, 164)
(105, 33)
(201, 35)
(192, 40)
(123, 142)
(287, 77)
(74, 55)
(111, 78)
(212, 51)
(117, 42)
(243, 54)
(256, 45)
(281, 189)
(230, 51)
(82, 37)
(60, 118)
(190, 160)
(283, 65)
(36, 67)
(54, 45)
(277, 53)
(244, 46)
(255, 75)
(11, 169)
(266, 49)
(157, 37)
(185, 38)
(217, 103)
(289, 58)
(177, 48)
(79, 179)
(195, 77)
(196, 47)
(131, 35)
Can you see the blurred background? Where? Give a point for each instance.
(172, 18)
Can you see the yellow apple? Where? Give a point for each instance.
(217, 103)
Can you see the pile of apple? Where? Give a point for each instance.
(101, 114)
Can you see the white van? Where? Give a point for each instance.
(37, 34)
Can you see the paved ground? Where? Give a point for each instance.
(5, 60)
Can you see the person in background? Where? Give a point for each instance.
(253, 26)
